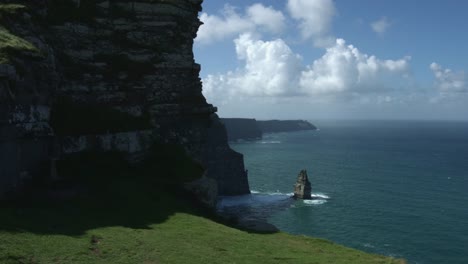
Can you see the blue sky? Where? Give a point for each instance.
(315, 59)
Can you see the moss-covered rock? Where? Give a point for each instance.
(10, 9)
(12, 45)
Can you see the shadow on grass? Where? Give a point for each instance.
(103, 190)
(75, 217)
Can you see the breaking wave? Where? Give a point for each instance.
(314, 202)
(320, 196)
(278, 193)
(314, 195)
(259, 198)
(270, 142)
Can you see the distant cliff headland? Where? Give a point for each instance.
(250, 129)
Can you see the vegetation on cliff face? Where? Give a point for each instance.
(11, 45)
(10, 9)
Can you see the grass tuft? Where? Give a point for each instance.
(11, 45)
(10, 9)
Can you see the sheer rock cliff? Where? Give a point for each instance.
(102, 76)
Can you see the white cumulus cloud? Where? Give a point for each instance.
(315, 18)
(381, 26)
(268, 17)
(344, 68)
(448, 80)
(272, 69)
(230, 23)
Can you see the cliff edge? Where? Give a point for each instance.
(115, 75)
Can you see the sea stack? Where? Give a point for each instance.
(302, 188)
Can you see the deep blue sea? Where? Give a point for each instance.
(398, 188)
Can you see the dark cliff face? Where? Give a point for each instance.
(106, 75)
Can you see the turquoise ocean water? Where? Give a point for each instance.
(397, 188)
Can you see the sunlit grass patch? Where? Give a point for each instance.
(6, 9)
(11, 45)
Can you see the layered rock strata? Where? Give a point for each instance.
(107, 75)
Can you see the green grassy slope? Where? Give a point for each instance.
(139, 215)
(160, 231)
